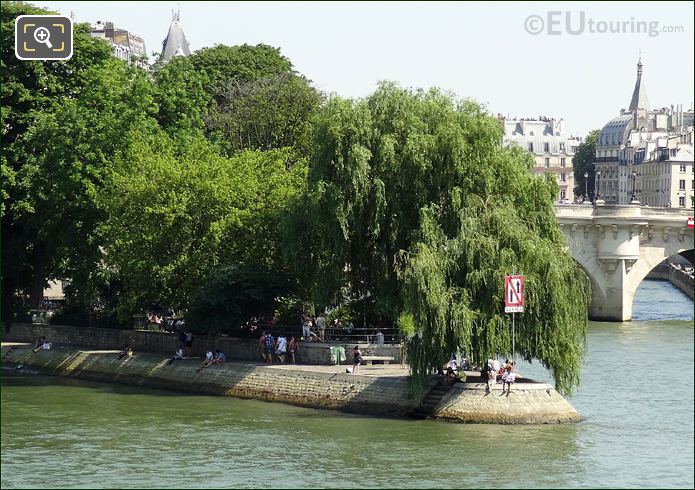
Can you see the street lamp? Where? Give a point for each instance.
(597, 189)
(633, 199)
(586, 184)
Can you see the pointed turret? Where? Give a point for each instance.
(639, 95)
(175, 43)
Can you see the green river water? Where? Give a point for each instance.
(636, 396)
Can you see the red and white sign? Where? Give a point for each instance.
(513, 294)
(691, 222)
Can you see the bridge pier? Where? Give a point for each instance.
(617, 246)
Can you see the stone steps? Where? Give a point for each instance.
(431, 400)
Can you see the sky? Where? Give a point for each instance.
(570, 60)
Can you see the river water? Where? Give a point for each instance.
(636, 396)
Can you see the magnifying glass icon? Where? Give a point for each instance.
(43, 36)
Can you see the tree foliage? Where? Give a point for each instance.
(583, 161)
(224, 64)
(60, 122)
(266, 113)
(413, 201)
(175, 217)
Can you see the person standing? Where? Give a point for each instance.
(306, 328)
(293, 349)
(189, 341)
(356, 359)
(269, 344)
(321, 324)
(261, 345)
(281, 348)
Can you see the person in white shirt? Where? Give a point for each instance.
(207, 361)
(281, 348)
(178, 355)
(508, 379)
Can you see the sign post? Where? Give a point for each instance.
(513, 302)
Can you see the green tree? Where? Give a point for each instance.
(266, 113)
(175, 216)
(583, 161)
(180, 91)
(61, 120)
(225, 64)
(412, 201)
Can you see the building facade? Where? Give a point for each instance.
(551, 146)
(645, 156)
(125, 45)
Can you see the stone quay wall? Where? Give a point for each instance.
(376, 395)
(240, 349)
(529, 403)
(678, 277)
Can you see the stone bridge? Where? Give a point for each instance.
(617, 246)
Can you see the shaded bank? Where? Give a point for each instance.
(529, 403)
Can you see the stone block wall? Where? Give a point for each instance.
(241, 349)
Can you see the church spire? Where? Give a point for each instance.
(639, 94)
(175, 43)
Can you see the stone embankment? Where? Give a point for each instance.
(678, 274)
(324, 387)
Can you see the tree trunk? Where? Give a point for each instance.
(38, 279)
(7, 303)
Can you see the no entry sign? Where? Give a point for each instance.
(513, 294)
(691, 222)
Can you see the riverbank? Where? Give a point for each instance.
(381, 391)
(676, 274)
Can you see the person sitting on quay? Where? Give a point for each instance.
(220, 357)
(178, 356)
(207, 361)
(508, 379)
(41, 344)
(127, 351)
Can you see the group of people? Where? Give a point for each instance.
(492, 370)
(309, 322)
(218, 358)
(311, 325)
(268, 346)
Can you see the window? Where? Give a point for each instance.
(530, 147)
(563, 177)
(547, 162)
(546, 147)
(562, 146)
(692, 184)
(562, 162)
(682, 168)
(681, 184)
(681, 201)
(563, 194)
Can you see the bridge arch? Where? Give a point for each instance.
(617, 246)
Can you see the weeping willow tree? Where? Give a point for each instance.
(413, 201)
